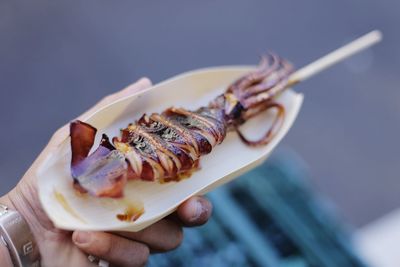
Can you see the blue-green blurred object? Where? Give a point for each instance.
(267, 217)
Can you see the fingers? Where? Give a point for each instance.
(114, 249)
(5, 259)
(162, 236)
(167, 234)
(195, 211)
(62, 133)
(138, 86)
(142, 84)
(132, 249)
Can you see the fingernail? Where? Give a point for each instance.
(199, 211)
(81, 238)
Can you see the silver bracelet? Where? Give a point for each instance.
(18, 238)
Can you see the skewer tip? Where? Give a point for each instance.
(376, 35)
(336, 56)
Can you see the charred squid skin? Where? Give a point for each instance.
(147, 152)
(168, 138)
(218, 120)
(82, 139)
(204, 136)
(170, 159)
(102, 173)
(167, 160)
(256, 98)
(158, 157)
(201, 121)
(183, 137)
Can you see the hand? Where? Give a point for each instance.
(58, 247)
(5, 258)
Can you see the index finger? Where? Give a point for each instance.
(5, 255)
(61, 134)
(142, 84)
(138, 86)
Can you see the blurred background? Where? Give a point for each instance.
(59, 58)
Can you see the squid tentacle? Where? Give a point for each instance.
(275, 126)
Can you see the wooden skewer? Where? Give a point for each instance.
(336, 56)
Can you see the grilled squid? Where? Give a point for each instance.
(168, 146)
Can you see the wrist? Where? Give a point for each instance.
(25, 202)
(5, 258)
(16, 232)
(24, 199)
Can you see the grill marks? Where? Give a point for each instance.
(168, 146)
(159, 147)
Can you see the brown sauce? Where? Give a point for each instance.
(132, 212)
(179, 177)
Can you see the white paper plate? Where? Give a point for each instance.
(227, 161)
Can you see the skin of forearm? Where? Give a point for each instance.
(17, 200)
(5, 259)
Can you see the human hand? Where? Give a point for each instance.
(63, 248)
(5, 258)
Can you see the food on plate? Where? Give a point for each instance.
(168, 146)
